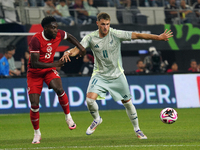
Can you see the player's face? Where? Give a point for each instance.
(104, 26)
(51, 30)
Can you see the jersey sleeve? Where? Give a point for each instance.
(63, 34)
(34, 45)
(85, 42)
(122, 35)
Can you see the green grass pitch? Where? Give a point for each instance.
(115, 132)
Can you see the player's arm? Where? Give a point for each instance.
(162, 37)
(70, 53)
(35, 63)
(73, 40)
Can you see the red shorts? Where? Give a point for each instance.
(35, 78)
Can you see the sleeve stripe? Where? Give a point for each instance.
(34, 51)
(65, 35)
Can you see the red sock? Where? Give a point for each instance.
(34, 115)
(63, 100)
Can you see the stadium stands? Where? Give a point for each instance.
(155, 15)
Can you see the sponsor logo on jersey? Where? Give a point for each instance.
(96, 46)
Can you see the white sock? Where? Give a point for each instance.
(93, 108)
(132, 114)
(67, 116)
(37, 132)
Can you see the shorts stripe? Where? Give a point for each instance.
(94, 81)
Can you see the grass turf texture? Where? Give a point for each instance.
(115, 132)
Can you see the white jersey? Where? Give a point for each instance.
(107, 52)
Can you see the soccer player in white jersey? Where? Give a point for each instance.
(108, 74)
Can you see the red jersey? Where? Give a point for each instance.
(45, 47)
(138, 70)
(192, 70)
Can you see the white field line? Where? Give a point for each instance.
(117, 146)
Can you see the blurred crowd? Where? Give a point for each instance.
(152, 63)
(70, 12)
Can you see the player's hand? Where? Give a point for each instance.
(59, 63)
(165, 36)
(66, 57)
(81, 53)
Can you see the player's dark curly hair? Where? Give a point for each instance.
(47, 20)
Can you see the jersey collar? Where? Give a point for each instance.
(44, 36)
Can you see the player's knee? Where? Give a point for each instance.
(125, 101)
(59, 91)
(128, 104)
(89, 101)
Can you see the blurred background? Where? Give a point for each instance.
(159, 73)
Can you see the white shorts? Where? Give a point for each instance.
(118, 88)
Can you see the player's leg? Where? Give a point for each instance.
(35, 84)
(119, 90)
(94, 111)
(92, 105)
(132, 114)
(96, 90)
(34, 116)
(56, 84)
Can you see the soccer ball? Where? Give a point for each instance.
(168, 115)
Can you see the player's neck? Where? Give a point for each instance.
(48, 38)
(45, 36)
(102, 35)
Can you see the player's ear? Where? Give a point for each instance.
(97, 22)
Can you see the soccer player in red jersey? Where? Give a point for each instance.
(42, 67)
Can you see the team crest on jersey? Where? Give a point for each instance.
(49, 49)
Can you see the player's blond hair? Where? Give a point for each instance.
(103, 15)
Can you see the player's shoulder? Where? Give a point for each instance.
(91, 35)
(116, 32)
(61, 31)
(37, 36)
(94, 33)
(113, 31)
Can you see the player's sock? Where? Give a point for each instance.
(63, 100)
(67, 116)
(34, 116)
(93, 108)
(37, 132)
(132, 114)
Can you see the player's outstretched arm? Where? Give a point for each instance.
(70, 53)
(162, 37)
(74, 41)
